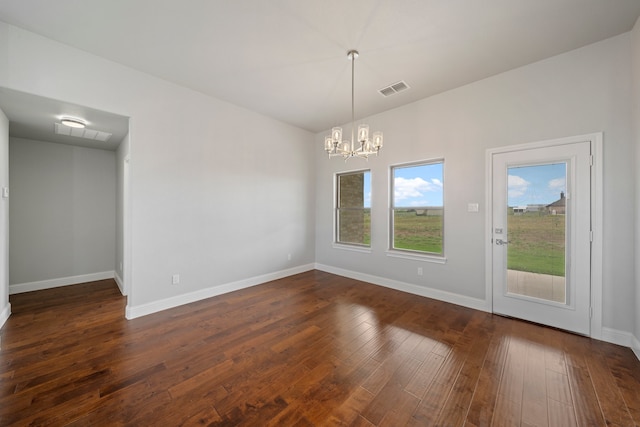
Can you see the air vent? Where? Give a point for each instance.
(393, 89)
(82, 133)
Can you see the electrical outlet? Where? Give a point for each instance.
(289, 257)
(419, 271)
(175, 279)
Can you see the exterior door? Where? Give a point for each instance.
(541, 235)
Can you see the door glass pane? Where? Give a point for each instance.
(536, 231)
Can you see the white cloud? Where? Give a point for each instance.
(517, 186)
(557, 184)
(414, 187)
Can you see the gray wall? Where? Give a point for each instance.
(579, 92)
(636, 122)
(62, 211)
(121, 155)
(4, 219)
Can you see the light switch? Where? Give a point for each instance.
(473, 207)
(5, 192)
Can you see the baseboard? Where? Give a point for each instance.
(626, 339)
(119, 282)
(450, 297)
(4, 315)
(62, 281)
(635, 346)
(133, 312)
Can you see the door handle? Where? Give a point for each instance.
(501, 242)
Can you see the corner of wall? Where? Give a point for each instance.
(635, 120)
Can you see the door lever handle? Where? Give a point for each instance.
(501, 242)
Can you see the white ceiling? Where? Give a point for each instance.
(288, 58)
(34, 117)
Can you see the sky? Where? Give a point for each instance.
(530, 185)
(423, 186)
(414, 186)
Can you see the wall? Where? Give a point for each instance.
(220, 195)
(5, 307)
(62, 212)
(579, 92)
(122, 156)
(635, 119)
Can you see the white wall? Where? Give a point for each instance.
(580, 92)
(219, 194)
(635, 119)
(63, 208)
(5, 307)
(122, 155)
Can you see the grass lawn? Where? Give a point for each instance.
(418, 233)
(536, 243)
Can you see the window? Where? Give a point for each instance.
(353, 208)
(417, 207)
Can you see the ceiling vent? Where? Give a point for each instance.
(394, 88)
(82, 133)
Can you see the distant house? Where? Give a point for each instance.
(536, 208)
(519, 210)
(557, 207)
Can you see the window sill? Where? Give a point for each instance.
(352, 248)
(417, 257)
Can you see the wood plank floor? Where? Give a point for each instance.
(309, 350)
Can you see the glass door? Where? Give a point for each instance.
(541, 235)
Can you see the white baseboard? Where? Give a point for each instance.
(62, 281)
(153, 307)
(465, 301)
(635, 346)
(626, 339)
(119, 282)
(615, 336)
(4, 315)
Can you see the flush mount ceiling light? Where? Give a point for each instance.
(73, 122)
(335, 146)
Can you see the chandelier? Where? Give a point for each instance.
(363, 146)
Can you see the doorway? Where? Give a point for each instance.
(540, 221)
(35, 121)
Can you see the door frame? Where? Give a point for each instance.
(597, 206)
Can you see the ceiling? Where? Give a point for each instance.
(34, 117)
(288, 58)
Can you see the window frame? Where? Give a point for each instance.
(358, 247)
(414, 254)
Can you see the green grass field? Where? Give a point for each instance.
(413, 232)
(536, 242)
(418, 233)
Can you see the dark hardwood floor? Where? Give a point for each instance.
(312, 349)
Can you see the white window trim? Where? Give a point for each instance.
(417, 256)
(406, 253)
(352, 247)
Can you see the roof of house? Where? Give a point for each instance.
(561, 202)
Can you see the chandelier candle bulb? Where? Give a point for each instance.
(363, 133)
(377, 140)
(328, 143)
(337, 134)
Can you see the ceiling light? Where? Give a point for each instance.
(334, 145)
(73, 122)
